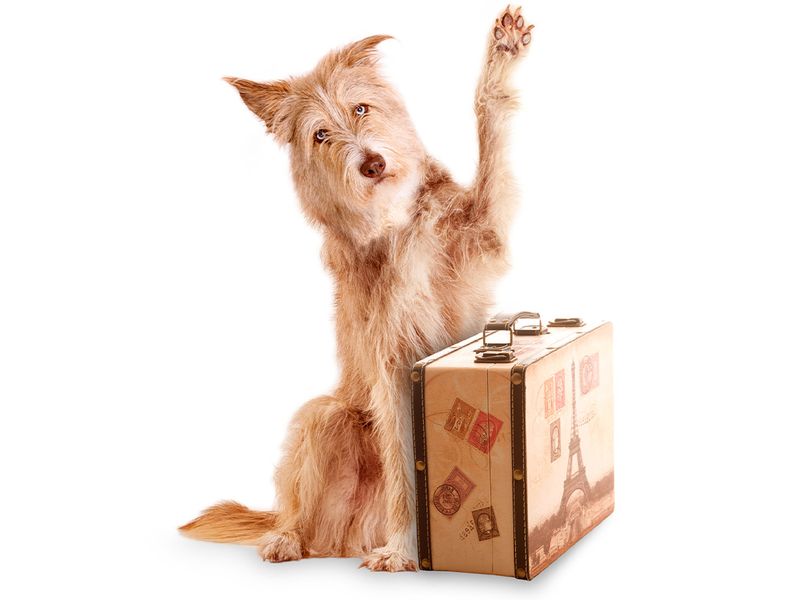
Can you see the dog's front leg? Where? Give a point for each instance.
(391, 410)
(493, 189)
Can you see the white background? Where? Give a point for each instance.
(163, 310)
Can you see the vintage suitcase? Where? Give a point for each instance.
(513, 445)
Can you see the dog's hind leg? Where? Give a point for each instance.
(298, 481)
(493, 189)
(316, 482)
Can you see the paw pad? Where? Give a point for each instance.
(510, 32)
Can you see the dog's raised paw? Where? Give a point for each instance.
(510, 34)
(281, 547)
(388, 559)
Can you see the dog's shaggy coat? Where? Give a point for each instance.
(413, 256)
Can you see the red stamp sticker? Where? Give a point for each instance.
(484, 432)
(461, 482)
(558, 378)
(590, 372)
(459, 418)
(554, 394)
(549, 397)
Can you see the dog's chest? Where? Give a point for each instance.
(393, 304)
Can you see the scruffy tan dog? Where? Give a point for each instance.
(413, 256)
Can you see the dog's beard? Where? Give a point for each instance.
(393, 200)
(386, 203)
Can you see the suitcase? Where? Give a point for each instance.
(513, 445)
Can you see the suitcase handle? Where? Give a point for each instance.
(507, 322)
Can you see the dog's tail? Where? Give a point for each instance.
(230, 522)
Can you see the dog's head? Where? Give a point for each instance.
(355, 155)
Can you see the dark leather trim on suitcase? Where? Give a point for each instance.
(418, 428)
(519, 472)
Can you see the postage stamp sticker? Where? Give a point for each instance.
(590, 372)
(446, 499)
(484, 432)
(558, 379)
(461, 482)
(459, 418)
(549, 397)
(555, 440)
(485, 523)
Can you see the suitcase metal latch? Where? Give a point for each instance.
(567, 322)
(494, 354)
(499, 352)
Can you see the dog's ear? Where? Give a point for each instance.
(266, 100)
(362, 52)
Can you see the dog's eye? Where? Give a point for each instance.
(361, 110)
(321, 135)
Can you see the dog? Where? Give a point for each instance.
(413, 256)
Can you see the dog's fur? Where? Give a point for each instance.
(413, 256)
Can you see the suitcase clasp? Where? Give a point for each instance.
(502, 351)
(566, 322)
(494, 354)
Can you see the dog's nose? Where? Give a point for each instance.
(373, 165)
